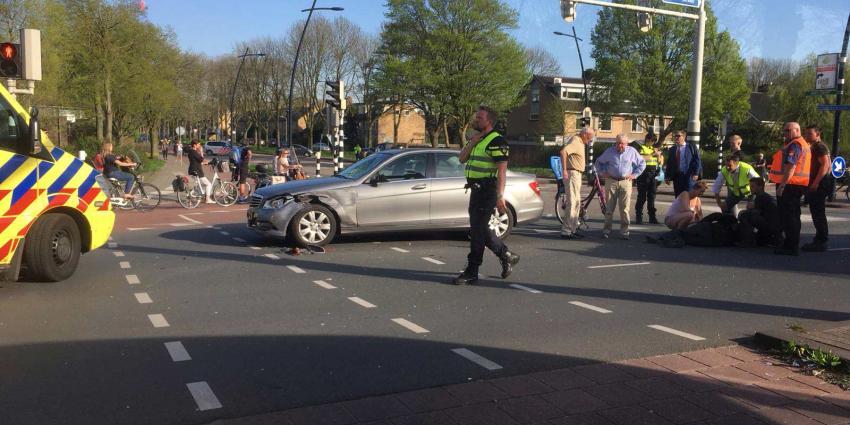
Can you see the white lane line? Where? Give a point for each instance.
(590, 307)
(203, 395)
(118, 253)
(403, 251)
(431, 260)
(180, 224)
(677, 333)
(143, 298)
(546, 231)
(224, 233)
(112, 245)
(296, 269)
(239, 240)
(324, 284)
(133, 229)
(525, 288)
(361, 302)
(256, 248)
(177, 351)
(838, 249)
(183, 216)
(124, 264)
(413, 327)
(477, 359)
(272, 256)
(132, 279)
(224, 211)
(158, 321)
(643, 263)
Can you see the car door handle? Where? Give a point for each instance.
(419, 187)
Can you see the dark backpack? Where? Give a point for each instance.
(716, 229)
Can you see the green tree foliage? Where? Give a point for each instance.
(447, 57)
(653, 70)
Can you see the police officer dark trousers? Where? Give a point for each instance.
(646, 181)
(486, 159)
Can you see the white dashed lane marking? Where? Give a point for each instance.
(203, 395)
(158, 321)
(477, 359)
(256, 248)
(225, 233)
(189, 219)
(177, 351)
(403, 251)
(143, 298)
(677, 333)
(431, 260)
(112, 245)
(589, 307)
(124, 264)
(643, 263)
(118, 253)
(132, 279)
(324, 284)
(272, 256)
(296, 269)
(413, 327)
(361, 302)
(525, 288)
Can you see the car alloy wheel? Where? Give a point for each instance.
(500, 223)
(314, 227)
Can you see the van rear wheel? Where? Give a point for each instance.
(52, 248)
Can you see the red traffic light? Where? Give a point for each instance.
(8, 51)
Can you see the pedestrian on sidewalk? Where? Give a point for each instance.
(163, 148)
(686, 209)
(759, 223)
(572, 168)
(820, 186)
(619, 165)
(646, 185)
(178, 151)
(244, 169)
(486, 159)
(684, 165)
(736, 174)
(790, 169)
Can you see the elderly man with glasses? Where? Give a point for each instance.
(684, 165)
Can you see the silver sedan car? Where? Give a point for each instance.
(389, 191)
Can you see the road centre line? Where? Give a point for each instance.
(239, 240)
(184, 217)
(477, 359)
(118, 253)
(272, 256)
(177, 351)
(158, 321)
(361, 302)
(413, 327)
(525, 288)
(132, 279)
(403, 251)
(133, 229)
(590, 307)
(203, 395)
(224, 233)
(431, 260)
(324, 284)
(124, 264)
(677, 333)
(143, 298)
(643, 263)
(296, 269)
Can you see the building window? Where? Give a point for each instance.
(605, 123)
(636, 126)
(574, 94)
(534, 107)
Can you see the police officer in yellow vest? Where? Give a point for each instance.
(646, 184)
(486, 159)
(736, 174)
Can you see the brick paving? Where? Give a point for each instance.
(718, 386)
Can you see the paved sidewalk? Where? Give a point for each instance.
(721, 386)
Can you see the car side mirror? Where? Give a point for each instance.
(377, 178)
(35, 132)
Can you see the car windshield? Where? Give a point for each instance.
(363, 167)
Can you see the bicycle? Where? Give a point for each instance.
(144, 196)
(561, 205)
(223, 193)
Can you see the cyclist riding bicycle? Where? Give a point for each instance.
(196, 163)
(111, 168)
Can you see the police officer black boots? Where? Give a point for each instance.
(509, 260)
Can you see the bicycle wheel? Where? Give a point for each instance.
(189, 198)
(561, 207)
(146, 196)
(225, 193)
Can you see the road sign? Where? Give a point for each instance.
(689, 3)
(838, 167)
(826, 71)
(180, 131)
(833, 108)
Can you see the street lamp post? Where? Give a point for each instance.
(580, 61)
(295, 66)
(233, 91)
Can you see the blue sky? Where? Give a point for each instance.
(764, 28)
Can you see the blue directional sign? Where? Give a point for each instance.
(823, 107)
(838, 167)
(689, 3)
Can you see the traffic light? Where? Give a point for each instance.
(10, 60)
(644, 21)
(568, 10)
(337, 93)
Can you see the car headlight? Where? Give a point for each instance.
(277, 202)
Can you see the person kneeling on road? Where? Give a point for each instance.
(686, 209)
(759, 224)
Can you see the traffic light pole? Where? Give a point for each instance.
(340, 136)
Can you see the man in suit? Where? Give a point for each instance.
(684, 165)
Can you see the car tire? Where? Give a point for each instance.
(52, 249)
(313, 225)
(208, 152)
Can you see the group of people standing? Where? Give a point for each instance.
(175, 147)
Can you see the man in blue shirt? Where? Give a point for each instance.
(684, 165)
(619, 165)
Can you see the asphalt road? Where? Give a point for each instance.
(190, 317)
